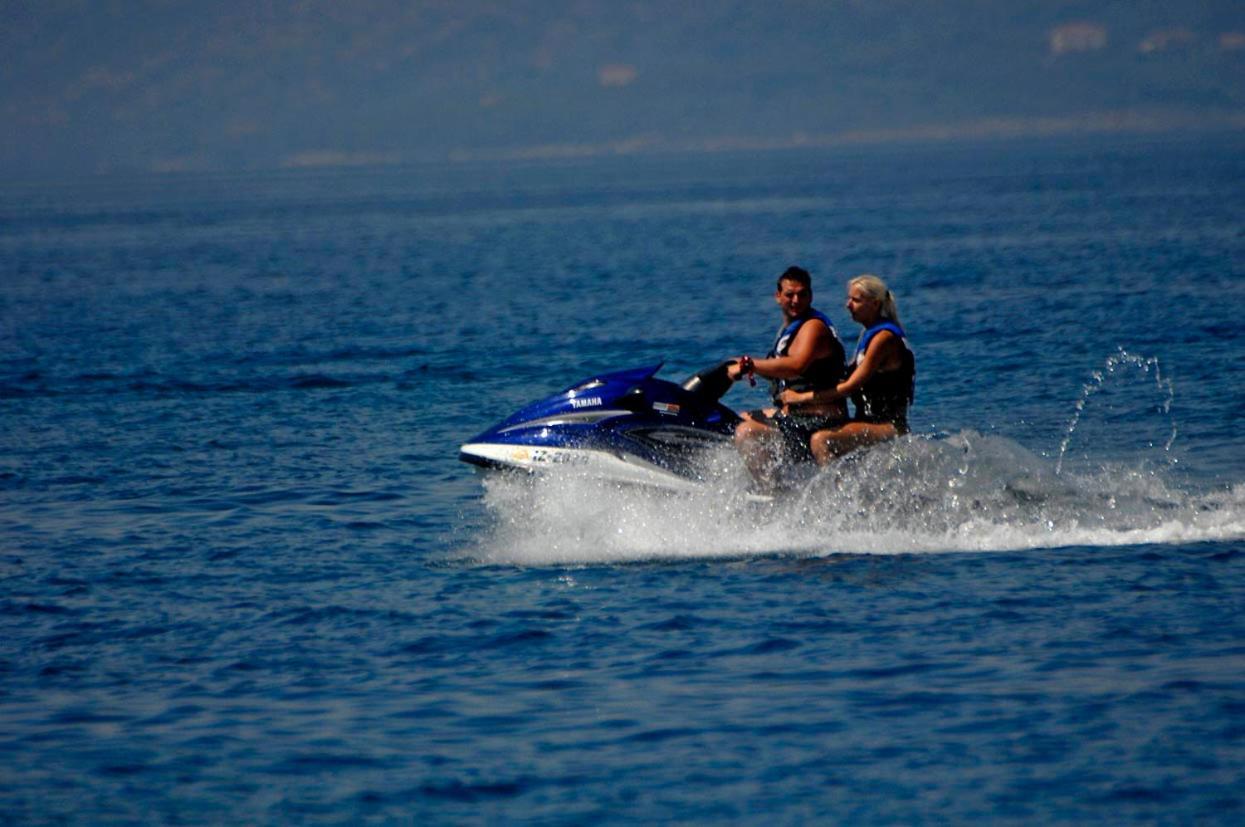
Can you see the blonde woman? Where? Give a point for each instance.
(881, 376)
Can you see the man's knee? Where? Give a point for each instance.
(819, 446)
(748, 431)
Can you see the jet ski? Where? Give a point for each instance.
(627, 427)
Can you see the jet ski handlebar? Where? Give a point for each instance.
(712, 383)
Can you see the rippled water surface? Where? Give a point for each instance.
(245, 578)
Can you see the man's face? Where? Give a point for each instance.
(794, 298)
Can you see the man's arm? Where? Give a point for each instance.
(881, 349)
(812, 342)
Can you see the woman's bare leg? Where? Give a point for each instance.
(826, 445)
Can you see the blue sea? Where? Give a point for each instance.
(245, 579)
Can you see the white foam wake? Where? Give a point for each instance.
(968, 492)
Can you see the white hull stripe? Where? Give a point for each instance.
(595, 463)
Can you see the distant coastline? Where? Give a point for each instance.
(1123, 123)
(1127, 122)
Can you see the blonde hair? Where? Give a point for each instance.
(876, 289)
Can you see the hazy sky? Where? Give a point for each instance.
(171, 85)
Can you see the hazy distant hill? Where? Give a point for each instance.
(167, 84)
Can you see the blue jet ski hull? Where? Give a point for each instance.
(627, 426)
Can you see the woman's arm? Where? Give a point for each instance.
(880, 350)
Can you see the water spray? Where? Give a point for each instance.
(1150, 367)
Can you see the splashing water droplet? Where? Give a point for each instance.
(1149, 366)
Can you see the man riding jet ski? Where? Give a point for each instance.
(807, 358)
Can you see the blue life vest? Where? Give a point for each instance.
(886, 395)
(785, 336)
(866, 336)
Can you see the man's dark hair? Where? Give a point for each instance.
(797, 274)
